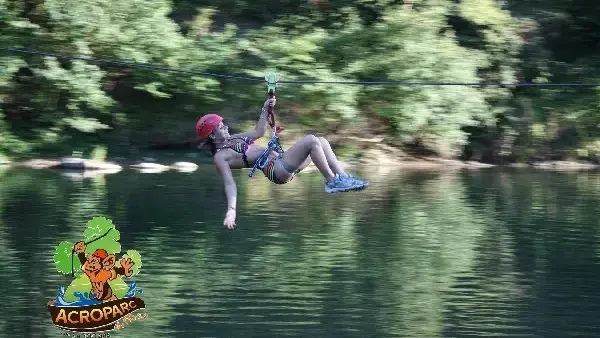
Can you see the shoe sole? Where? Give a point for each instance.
(338, 190)
(357, 187)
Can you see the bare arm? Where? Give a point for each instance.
(258, 131)
(230, 187)
(261, 126)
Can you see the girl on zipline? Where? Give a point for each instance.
(239, 151)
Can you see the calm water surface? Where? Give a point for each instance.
(448, 254)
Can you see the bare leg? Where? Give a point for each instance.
(332, 160)
(298, 154)
(334, 164)
(306, 163)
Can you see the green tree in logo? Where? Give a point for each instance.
(99, 234)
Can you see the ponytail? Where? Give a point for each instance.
(210, 146)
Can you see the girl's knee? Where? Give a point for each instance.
(312, 140)
(323, 140)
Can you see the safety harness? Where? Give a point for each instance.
(273, 145)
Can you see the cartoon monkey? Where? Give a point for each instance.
(99, 266)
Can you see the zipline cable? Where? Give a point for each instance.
(260, 79)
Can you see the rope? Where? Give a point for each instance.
(477, 84)
(257, 79)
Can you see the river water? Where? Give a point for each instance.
(481, 253)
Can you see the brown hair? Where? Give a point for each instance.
(210, 146)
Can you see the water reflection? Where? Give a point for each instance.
(475, 253)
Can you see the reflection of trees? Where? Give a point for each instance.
(86, 201)
(39, 209)
(293, 267)
(536, 206)
(425, 237)
(24, 196)
(165, 270)
(552, 220)
(10, 263)
(412, 254)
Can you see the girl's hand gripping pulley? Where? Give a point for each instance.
(272, 79)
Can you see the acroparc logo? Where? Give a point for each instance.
(97, 298)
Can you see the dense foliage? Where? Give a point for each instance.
(57, 103)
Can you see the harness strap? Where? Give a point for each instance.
(263, 159)
(272, 79)
(274, 144)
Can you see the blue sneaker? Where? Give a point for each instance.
(358, 183)
(339, 184)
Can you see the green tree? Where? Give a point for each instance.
(399, 49)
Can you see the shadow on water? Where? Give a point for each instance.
(433, 254)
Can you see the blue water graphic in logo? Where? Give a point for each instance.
(87, 299)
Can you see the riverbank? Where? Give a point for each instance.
(81, 164)
(375, 159)
(355, 152)
(355, 148)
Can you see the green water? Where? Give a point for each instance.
(422, 254)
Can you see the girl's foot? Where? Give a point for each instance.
(358, 183)
(340, 184)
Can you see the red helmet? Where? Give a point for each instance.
(206, 124)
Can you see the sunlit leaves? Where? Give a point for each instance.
(418, 41)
